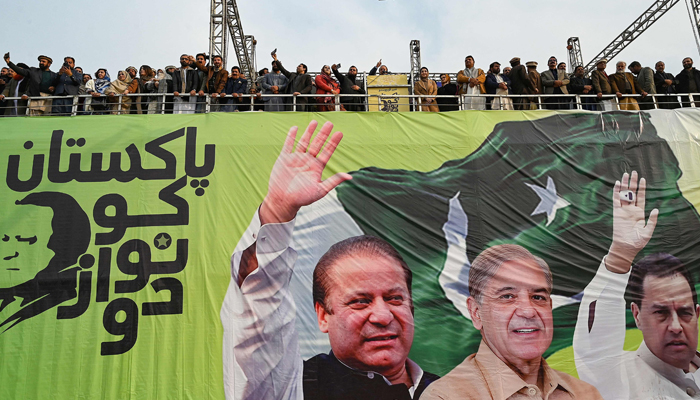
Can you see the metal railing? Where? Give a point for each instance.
(166, 103)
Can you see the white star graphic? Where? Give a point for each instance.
(550, 202)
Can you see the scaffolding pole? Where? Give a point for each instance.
(575, 57)
(639, 26)
(235, 28)
(217, 30)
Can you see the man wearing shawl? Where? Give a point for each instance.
(426, 87)
(274, 83)
(471, 81)
(625, 83)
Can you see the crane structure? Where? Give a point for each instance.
(225, 20)
(624, 39)
(415, 59)
(217, 29)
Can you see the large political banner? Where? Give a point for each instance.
(116, 272)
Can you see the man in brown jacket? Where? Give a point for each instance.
(536, 80)
(601, 85)
(509, 302)
(216, 77)
(471, 81)
(623, 83)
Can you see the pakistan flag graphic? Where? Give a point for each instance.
(544, 184)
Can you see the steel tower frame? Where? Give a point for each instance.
(225, 20)
(624, 39)
(217, 29)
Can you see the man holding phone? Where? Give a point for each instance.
(67, 83)
(41, 82)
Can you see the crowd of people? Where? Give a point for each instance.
(632, 89)
(183, 89)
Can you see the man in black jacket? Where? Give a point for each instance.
(665, 86)
(185, 81)
(348, 85)
(4, 81)
(579, 84)
(299, 83)
(16, 86)
(67, 83)
(41, 81)
(688, 82)
(519, 81)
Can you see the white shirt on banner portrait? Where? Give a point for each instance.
(602, 361)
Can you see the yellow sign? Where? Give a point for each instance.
(388, 85)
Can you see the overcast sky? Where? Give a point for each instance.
(116, 34)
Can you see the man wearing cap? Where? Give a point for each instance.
(534, 77)
(519, 82)
(67, 83)
(554, 81)
(601, 85)
(40, 82)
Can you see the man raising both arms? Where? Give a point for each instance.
(361, 294)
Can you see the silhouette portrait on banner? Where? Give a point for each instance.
(27, 285)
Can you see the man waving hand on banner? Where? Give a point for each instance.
(664, 307)
(361, 293)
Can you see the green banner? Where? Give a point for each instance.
(118, 231)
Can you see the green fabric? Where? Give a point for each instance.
(46, 82)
